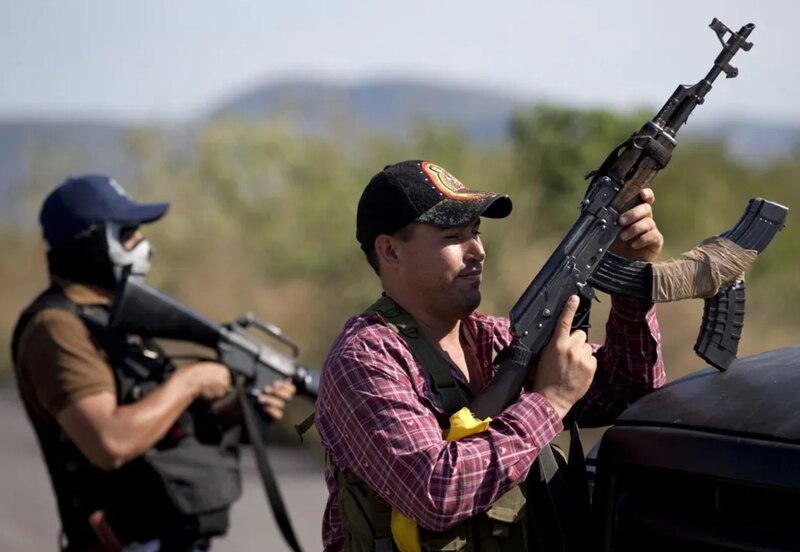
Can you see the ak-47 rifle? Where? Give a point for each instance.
(582, 262)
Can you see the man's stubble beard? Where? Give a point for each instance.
(463, 303)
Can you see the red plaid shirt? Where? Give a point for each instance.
(375, 416)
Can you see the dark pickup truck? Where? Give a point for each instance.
(709, 462)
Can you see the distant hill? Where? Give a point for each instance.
(386, 106)
(754, 140)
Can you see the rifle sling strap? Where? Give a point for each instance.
(655, 150)
(256, 430)
(305, 425)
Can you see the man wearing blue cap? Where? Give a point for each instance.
(138, 458)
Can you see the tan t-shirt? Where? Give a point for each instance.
(58, 363)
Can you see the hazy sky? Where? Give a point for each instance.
(169, 60)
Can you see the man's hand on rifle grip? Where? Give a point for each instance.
(207, 380)
(274, 396)
(566, 366)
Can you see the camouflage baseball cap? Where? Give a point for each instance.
(420, 191)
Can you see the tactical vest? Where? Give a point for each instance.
(178, 491)
(367, 517)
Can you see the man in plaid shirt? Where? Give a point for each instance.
(377, 411)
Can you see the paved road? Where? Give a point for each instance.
(28, 520)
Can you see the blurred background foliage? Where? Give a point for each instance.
(262, 219)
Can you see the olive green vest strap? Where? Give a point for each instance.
(434, 365)
(432, 362)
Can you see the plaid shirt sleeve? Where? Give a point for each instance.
(629, 363)
(374, 415)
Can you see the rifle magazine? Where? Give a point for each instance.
(721, 330)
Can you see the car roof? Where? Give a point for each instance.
(739, 425)
(758, 396)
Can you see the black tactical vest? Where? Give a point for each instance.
(178, 491)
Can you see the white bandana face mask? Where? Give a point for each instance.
(137, 257)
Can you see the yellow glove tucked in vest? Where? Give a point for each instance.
(404, 530)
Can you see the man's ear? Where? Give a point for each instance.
(387, 251)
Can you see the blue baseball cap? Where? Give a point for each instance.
(81, 202)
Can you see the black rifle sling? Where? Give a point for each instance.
(558, 500)
(256, 430)
(546, 532)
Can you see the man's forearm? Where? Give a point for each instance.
(143, 423)
(110, 435)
